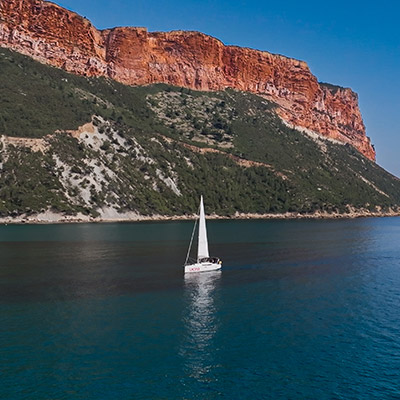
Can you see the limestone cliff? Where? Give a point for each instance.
(134, 56)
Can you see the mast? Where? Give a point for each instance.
(202, 250)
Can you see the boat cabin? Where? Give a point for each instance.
(213, 260)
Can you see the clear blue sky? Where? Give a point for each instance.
(349, 43)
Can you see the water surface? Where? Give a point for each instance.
(301, 309)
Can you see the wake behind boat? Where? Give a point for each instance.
(204, 262)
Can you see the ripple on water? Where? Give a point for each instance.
(301, 309)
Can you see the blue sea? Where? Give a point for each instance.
(301, 310)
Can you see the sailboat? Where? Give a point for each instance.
(204, 262)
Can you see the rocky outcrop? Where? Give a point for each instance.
(134, 56)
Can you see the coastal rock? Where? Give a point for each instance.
(134, 56)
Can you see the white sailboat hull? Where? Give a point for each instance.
(202, 267)
(204, 262)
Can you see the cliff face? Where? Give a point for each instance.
(134, 56)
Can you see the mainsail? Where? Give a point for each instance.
(202, 250)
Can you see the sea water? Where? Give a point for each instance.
(300, 310)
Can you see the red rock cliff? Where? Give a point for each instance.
(54, 35)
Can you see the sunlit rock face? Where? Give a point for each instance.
(134, 56)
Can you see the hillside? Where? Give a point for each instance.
(93, 146)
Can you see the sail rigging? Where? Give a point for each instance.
(190, 245)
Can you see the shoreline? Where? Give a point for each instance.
(54, 218)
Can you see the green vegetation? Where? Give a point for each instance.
(142, 156)
(28, 184)
(37, 100)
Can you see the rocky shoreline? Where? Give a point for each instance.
(55, 218)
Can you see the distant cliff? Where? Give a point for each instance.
(134, 56)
